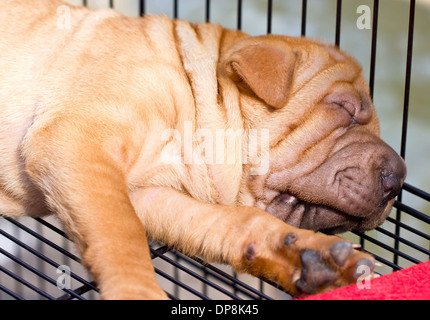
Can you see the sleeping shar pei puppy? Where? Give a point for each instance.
(234, 148)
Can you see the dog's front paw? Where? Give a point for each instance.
(304, 262)
(342, 266)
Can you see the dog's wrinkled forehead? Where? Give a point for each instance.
(275, 68)
(322, 58)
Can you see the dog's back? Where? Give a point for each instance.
(53, 53)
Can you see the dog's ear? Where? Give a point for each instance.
(265, 68)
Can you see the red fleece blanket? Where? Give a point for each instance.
(412, 283)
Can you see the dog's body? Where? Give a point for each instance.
(97, 118)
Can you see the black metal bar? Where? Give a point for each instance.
(416, 191)
(388, 248)
(234, 285)
(84, 2)
(373, 48)
(408, 77)
(171, 296)
(52, 227)
(208, 11)
(362, 242)
(176, 275)
(175, 9)
(406, 105)
(388, 263)
(38, 273)
(111, 3)
(407, 242)
(11, 293)
(181, 284)
(26, 283)
(338, 20)
(195, 275)
(80, 291)
(304, 12)
(224, 277)
(43, 239)
(411, 211)
(409, 228)
(269, 16)
(261, 288)
(44, 258)
(232, 279)
(160, 250)
(142, 8)
(239, 14)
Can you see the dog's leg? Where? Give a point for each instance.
(88, 192)
(252, 241)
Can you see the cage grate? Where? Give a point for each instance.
(43, 285)
(34, 252)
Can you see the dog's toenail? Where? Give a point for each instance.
(290, 238)
(250, 251)
(364, 266)
(301, 285)
(340, 252)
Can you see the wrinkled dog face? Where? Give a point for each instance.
(329, 170)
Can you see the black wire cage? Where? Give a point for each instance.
(38, 261)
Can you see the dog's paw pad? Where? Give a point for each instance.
(315, 273)
(290, 238)
(340, 252)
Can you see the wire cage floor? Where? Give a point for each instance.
(42, 275)
(37, 261)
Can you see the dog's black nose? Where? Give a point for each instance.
(393, 177)
(392, 186)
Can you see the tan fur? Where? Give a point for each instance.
(84, 113)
